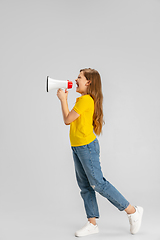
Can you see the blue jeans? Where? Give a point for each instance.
(90, 179)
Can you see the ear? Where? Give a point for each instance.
(88, 82)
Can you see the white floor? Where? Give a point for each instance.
(41, 225)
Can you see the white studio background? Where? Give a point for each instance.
(119, 38)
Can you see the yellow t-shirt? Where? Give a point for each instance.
(81, 130)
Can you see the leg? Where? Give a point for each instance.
(87, 192)
(89, 157)
(92, 220)
(130, 209)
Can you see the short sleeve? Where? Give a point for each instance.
(82, 104)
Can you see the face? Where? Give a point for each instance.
(82, 84)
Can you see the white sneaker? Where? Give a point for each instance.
(88, 229)
(135, 220)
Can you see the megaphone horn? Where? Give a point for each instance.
(55, 84)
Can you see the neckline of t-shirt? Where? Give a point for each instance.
(84, 96)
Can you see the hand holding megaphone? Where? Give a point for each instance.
(56, 84)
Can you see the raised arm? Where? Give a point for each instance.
(68, 116)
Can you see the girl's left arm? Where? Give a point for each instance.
(68, 116)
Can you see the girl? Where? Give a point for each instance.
(86, 116)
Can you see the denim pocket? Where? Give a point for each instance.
(96, 146)
(83, 150)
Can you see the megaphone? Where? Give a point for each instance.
(55, 84)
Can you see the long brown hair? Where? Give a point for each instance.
(95, 91)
